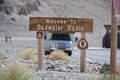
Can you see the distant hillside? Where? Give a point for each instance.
(14, 14)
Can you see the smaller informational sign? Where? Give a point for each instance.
(82, 44)
(39, 35)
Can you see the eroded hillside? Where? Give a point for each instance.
(14, 14)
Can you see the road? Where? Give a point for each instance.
(100, 55)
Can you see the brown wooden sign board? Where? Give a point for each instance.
(57, 24)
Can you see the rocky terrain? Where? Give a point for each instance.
(14, 14)
(57, 69)
(52, 69)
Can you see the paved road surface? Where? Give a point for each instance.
(100, 55)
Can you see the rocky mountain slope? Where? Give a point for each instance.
(14, 14)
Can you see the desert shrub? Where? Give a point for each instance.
(58, 55)
(2, 55)
(16, 71)
(107, 77)
(26, 53)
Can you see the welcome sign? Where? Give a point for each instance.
(56, 24)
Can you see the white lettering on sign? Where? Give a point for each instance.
(49, 28)
(75, 28)
(55, 21)
(60, 21)
(68, 28)
(73, 21)
(39, 27)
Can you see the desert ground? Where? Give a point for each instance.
(62, 69)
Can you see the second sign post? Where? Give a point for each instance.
(40, 48)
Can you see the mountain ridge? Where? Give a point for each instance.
(21, 10)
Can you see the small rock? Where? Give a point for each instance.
(13, 19)
(99, 67)
(96, 68)
(51, 67)
(3, 66)
(71, 66)
(90, 61)
(61, 69)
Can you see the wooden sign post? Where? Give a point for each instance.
(113, 42)
(40, 43)
(82, 60)
(56, 24)
(82, 45)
